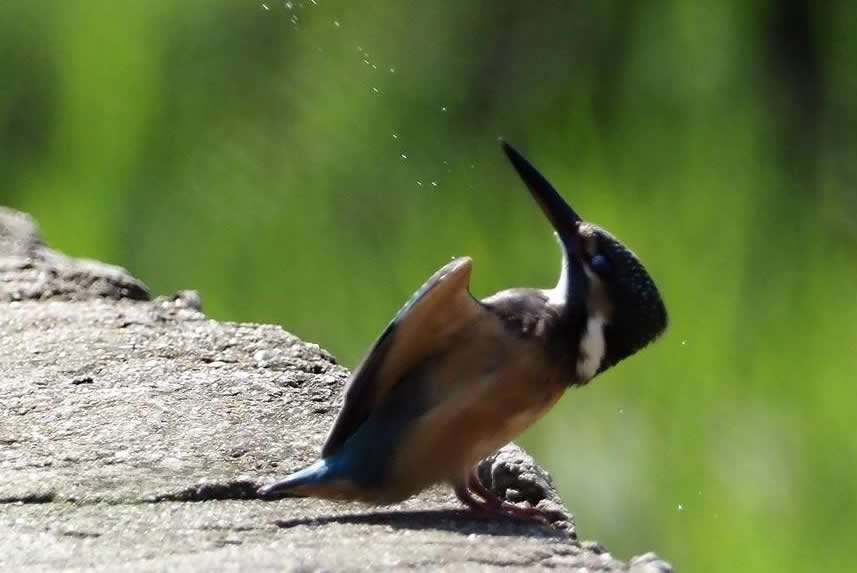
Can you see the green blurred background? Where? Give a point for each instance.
(311, 163)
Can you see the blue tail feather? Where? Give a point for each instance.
(319, 472)
(359, 470)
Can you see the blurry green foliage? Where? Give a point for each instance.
(312, 162)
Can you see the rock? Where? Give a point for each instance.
(134, 435)
(31, 271)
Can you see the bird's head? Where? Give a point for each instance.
(604, 291)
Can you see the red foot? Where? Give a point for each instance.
(490, 504)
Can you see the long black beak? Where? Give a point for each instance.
(563, 218)
(565, 221)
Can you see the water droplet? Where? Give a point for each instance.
(395, 136)
(443, 108)
(336, 23)
(683, 342)
(392, 70)
(621, 410)
(680, 507)
(289, 5)
(404, 156)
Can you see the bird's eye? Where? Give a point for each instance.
(600, 264)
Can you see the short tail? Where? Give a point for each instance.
(315, 474)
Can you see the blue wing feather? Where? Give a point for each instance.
(365, 385)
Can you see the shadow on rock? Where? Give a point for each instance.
(457, 521)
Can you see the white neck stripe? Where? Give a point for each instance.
(592, 348)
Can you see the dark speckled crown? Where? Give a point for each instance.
(639, 314)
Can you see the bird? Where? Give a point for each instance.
(452, 379)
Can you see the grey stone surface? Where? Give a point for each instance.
(29, 270)
(134, 433)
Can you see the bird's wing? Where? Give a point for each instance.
(440, 308)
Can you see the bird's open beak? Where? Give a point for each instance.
(563, 218)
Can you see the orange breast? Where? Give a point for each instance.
(488, 388)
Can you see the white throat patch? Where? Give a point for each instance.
(558, 294)
(592, 348)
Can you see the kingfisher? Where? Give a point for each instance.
(452, 378)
